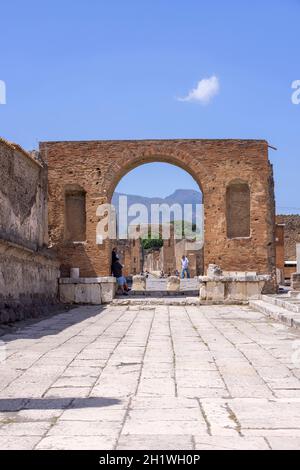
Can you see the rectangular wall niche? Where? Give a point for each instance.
(75, 216)
(238, 210)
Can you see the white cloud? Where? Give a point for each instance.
(205, 90)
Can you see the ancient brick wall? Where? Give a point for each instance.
(28, 270)
(98, 166)
(279, 245)
(194, 254)
(168, 255)
(130, 253)
(291, 234)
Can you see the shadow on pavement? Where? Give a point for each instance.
(18, 404)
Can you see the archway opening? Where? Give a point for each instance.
(159, 211)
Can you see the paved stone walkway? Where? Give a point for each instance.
(165, 377)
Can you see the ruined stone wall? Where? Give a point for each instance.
(194, 255)
(98, 166)
(23, 198)
(291, 234)
(28, 271)
(168, 255)
(153, 260)
(130, 253)
(28, 282)
(279, 239)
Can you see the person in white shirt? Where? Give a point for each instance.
(185, 267)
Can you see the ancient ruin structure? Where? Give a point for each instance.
(280, 254)
(287, 237)
(131, 255)
(167, 259)
(230, 287)
(235, 177)
(28, 270)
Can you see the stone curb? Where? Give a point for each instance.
(277, 313)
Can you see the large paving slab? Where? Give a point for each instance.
(151, 377)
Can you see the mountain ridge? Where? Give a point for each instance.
(179, 196)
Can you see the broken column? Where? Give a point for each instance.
(211, 286)
(173, 284)
(139, 283)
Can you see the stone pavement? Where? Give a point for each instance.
(160, 377)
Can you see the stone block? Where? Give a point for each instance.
(254, 290)
(215, 291)
(173, 284)
(108, 291)
(67, 293)
(237, 290)
(203, 292)
(88, 294)
(298, 257)
(214, 270)
(87, 280)
(87, 290)
(139, 283)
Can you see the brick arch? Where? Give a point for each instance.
(197, 171)
(98, 166)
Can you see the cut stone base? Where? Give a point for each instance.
(139, 283)
(173, 284)
(84, 290)
(232, 287)
(215, 291)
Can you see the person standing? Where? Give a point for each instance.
(117, 272)
(185, 267)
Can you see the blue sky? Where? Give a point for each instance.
(115, 69)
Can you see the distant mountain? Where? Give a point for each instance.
(184, 196)
(180, 196)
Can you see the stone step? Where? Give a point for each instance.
(165, 293)
(270, 299)
(152, 301)
(288, 303)
(278, 313)
(169, 300)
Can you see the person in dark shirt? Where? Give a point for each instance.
(117, 272)
(114, 255)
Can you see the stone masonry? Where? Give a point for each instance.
(164, 377)
(291, 234)
(28, 270)
(131, 256)
(96, 167)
